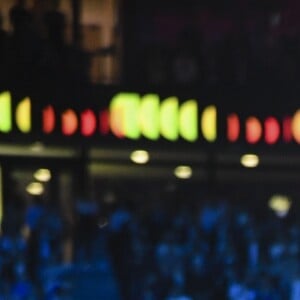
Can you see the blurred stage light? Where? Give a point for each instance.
(183, 172)
(35, 188)
(1, 200)
(139, 156)
(280, 204)
(249, 160)
(42, 175)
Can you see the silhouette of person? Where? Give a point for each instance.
(33, 219)
(3, 34)
(20, 17)
(24, 44)
(54, 22)
(3, 50)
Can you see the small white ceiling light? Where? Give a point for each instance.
(280, 204)
(42, 175)
(183, 172)
(139, 156)
(35, 188)
(249, 160)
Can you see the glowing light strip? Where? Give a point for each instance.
(48, 119)
(188, 120)
(69, 122)
(272, 130)
(149, 116)
(233, 127)
(1, 199)
(5, 112)
(23, 115)
(209, 123)
(169, 119)
(253, 130)
(124, 117)
(296, 126)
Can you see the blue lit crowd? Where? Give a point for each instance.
(166, 245)
(31, 253)
(211, 249)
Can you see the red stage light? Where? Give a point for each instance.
(272, 130)
(253, 130)
(233, 127)
(69, 122)
(48, 119)
(88, 122)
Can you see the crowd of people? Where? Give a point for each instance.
(173, 242)
(213, 248)
(31, 265)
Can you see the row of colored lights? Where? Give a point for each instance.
(133, 116)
